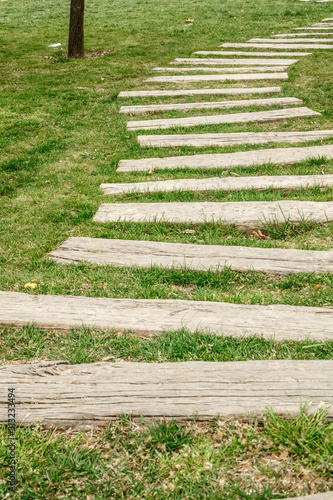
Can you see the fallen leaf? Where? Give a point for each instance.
(258, 234)
(31, 285)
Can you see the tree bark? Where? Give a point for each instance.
(76, 33)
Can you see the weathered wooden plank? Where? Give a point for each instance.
(278, 101)
(299, 40)
(57, 393)
(128, 253)
(319, 496)
(220, 78)
(155, 316)
(328, 19)
(257, 116)
(321, 28)
(282, 46)
(225, 69)
(291, 35)
(261, 182)
(225, 139)
(186, 92)
(238, 62)
(245, 215)
(321, 25)
(244, 53)
(279, 156)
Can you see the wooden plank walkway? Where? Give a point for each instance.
(323, 29)
(225, 69)
(322, 25)
(299, 40)
(261, 182)
(247, 215)
(271, 45)
(291, 35)
(274, 101)
(258, 116)
(244, 53)
(142, 316)
(320, 496)
(190, 92)
(57, 393)
(278, 156)
(238, 62)
(128, 253)
(229, 139)
(222, 77)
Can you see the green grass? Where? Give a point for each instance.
(231, 459)
(61, 136)
(30, 344)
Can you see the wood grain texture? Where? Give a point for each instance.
(185, 92)
(278, 101)
(272, 45)
(228, 139)
(278, 156)
(57, 393)
(256, 116)
(244, 53)
(225, 69)
(245, 215)
(238, 62)
(291, 35)
(144, 316)
(128, 253)
(262, 182)
(299, 40)
(219, 78)
(323, 29)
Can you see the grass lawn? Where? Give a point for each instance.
(61, 136)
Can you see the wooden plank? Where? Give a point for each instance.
(320, 496)
(57, 393)
(219, 78)
(128, 253)
(225, 69)
(188, 92)
(247, 215)
(282, 40)
(298, 34)
(328, 19)
(257, 116)
(222, 139)
(322, 25)
(278, 101)
(59, 312)
(243, 53)
(261, 182)
(321, 28)
(271, 45)
(239, 62)
(278, 156)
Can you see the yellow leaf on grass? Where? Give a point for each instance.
(30, 285)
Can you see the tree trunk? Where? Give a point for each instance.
(76, 36)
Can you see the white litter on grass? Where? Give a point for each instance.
(55, 45)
